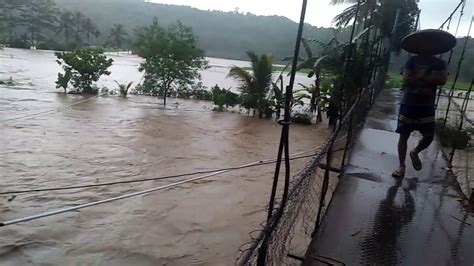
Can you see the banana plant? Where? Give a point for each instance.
(124, 88)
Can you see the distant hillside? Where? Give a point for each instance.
(221, 34)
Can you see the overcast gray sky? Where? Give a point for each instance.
(320, 12)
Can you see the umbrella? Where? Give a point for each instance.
(429, 42)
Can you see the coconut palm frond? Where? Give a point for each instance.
(242, 75)
(362, 33)
(346, 16)
(307, 49)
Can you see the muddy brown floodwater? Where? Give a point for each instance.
(109, 138)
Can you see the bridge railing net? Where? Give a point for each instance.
(460, 129)
(290, 229)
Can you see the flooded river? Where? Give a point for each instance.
(110, 138)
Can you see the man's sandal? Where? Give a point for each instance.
(398, 174)
(416, 161)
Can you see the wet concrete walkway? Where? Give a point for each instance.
(374, 219)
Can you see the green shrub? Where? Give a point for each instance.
(201, 94)
(451, 137)
(82, 67)
(223, 97)
(393, 81)
(303, 119)
(123, 88)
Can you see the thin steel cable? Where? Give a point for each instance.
(254, 164)
(458, 70)
(452, 14)
(148, 191)
(95, 203)
(457, 30)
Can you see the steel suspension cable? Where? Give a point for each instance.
(148, 191)
(458, 70)
(284, 141)
(295, 156)
(452, 14)
(457, 29)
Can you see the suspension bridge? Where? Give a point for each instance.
(344, 207)
(338, 211)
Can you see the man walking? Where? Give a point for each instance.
(422, 75)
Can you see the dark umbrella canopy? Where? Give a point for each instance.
(429, 42)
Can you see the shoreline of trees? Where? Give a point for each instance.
(172, 60)
(40, 24)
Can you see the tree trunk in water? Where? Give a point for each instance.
(319, 118)
(164, 97)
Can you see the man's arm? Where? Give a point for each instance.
(409, 74)
(409, 78)
(437, 77)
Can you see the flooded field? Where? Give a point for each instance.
(110, 138)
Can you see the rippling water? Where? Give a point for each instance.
(109, 138)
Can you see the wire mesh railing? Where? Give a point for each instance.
(291, 228)
(455, 116)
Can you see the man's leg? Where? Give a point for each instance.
(402, 153)
(424, 143)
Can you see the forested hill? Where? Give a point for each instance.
(221, 34)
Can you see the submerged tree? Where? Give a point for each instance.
(117, 36)
(255, 85)
(171, 57)
(82, 67)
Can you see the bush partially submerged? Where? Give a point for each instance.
(124, 88)
(303, 119)
(223, 97)
(82, 68)
(451, 137)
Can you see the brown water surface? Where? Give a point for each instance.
(110, 138)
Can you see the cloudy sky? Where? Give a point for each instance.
(320, 13)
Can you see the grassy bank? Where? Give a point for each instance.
(279, 69)
(395, 81)
(288, 69)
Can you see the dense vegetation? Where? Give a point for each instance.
(219, 34)
(174, 53)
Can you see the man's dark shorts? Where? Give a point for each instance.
(416, 118)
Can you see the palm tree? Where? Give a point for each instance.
(78, 18)
(314, 64)
(366, 6)
(117, 35)
(90, 28)
(255, 85)
(66, 20)
(384, 12)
